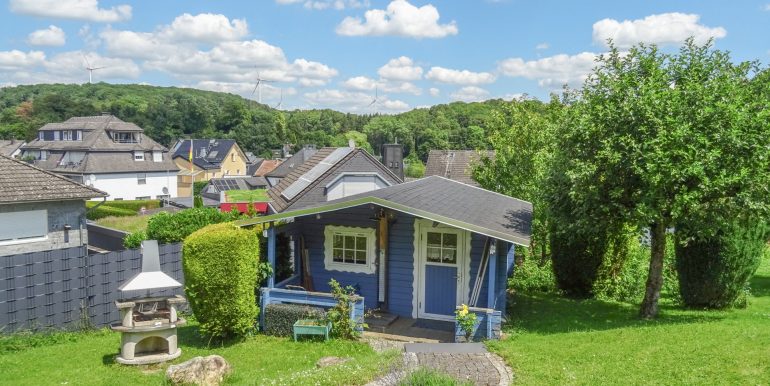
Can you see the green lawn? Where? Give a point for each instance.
(257, 195)
(129, 224)
(88, 359)
(556, 341)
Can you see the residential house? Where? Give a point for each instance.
(286, 167)
(211, 158)
(264, 167)
(107, 153)
(414, 250)
(11, 147)
(40, 210)
(455, 164)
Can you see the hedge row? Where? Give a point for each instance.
(280, 318)
(106, 211)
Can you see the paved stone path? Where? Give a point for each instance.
(477, 366)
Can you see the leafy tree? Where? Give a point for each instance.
(658, 139)
(414, 167)
(521, 134)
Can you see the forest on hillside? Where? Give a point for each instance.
(169, 113)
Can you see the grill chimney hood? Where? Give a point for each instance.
(151, 277)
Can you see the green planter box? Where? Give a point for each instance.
(312, 327)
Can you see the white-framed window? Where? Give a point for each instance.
(349, 249)
(163, 196)
(348, 184)
(141, 178)
(157, 156)
(138, 156)
(142, 198)
(23, 227)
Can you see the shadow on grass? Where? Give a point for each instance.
(760, 285)
(190, 336)
(553, 314)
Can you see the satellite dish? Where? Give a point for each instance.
(165, 190)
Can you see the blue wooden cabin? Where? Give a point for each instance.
(417, 249)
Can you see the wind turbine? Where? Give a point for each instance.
(90, 68)
(257, 89)
(279, 101)
(375, 100)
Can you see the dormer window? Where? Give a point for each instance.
(138, 156)
(125, 137)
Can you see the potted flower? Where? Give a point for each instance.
(465, 321)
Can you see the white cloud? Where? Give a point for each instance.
(662, 29)
(462, 77)
(551, 71)
(399, 19)
(72, 9)
(363, 83)
(401, 68)
(206, 27)
(542, 46)
(253, 53)
(269, 92)
(51, 36)
(434, 91)
(470, 94)
(766, 7)
(139, 45)
(360, 83)
(354, 101)
(327, 4)
(16, 60)
(71, 65)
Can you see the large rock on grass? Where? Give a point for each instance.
(203, 371)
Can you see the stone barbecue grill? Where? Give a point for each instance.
(148, 324)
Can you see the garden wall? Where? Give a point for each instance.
(67, 288)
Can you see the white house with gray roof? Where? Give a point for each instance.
(108, 154)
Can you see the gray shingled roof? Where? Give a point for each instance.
(22, 182)
(285, 168)
(215, 151)
(95, 136)
(439, 199)
(280, 203)
(455, 164)
(8, 147)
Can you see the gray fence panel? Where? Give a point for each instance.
(55, 288)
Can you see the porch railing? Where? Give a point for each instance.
(316, 299)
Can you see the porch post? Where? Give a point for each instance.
(492, 275)
(271, 253)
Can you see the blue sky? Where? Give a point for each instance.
(340, 53)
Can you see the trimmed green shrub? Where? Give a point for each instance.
(714, 272)
(174, 227)
(220, 264)
(576, 260)
(530, 276)
(198, 201)
(280, 318)
(107, 211)
(198, 187)
(134, 240)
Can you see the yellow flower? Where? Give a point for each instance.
(464, 311)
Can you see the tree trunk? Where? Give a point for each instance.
(649, 308)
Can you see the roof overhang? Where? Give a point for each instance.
(390, 205)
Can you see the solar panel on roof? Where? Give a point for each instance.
(322, 167)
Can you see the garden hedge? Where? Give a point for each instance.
(220, 264)
(714, 272)
(107, 211)
(174, 227)
(576, 259)
(280, 318)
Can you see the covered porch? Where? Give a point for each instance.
(406, 259)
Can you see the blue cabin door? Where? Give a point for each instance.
(441, 261)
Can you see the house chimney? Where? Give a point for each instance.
(393, 158)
